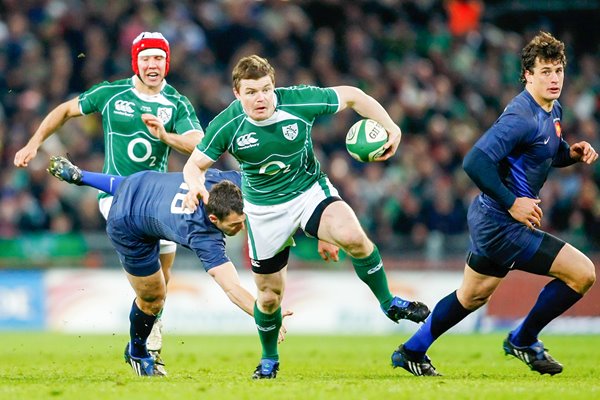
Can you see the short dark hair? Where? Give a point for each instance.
(545, 47)
(224, 198)
(251, 67)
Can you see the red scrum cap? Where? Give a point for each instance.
(150, 44)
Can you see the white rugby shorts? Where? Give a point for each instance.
(271, 228)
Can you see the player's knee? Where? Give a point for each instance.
(586, 277)
(269, 300)
(355, 243)
(152, 303)
(472, 301)
(476, 302)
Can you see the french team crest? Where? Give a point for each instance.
(164, 114)
(557, 128)
(290, 131)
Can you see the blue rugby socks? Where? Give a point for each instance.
(554, 299)
(447, 313)
(106, 183)
(139, 329)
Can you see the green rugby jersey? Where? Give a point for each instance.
(129, 146)
(276, 155)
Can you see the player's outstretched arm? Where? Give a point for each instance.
(194, 172)
(227, 277)
(368, 107)
(50, 124)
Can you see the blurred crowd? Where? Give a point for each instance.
(441, 69)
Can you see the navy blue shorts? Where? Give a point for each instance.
(139, 256)
(499, 243)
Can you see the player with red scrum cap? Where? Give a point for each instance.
(131, 110)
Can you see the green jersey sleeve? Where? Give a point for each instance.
(94, 99)
(221, 131)
(309, 101)
(185, 117)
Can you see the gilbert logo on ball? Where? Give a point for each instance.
(365, 140)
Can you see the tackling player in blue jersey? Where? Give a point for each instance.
(510, 163)
(131, 143)
(147, 207)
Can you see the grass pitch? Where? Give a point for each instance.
(54, 366)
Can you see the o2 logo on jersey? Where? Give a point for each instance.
(147, 151)
(247, 141)
(123, 107)
(274, 167)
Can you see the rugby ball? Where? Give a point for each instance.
(365, 140)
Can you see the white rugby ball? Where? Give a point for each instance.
(365, 140)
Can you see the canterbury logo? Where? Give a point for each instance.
(246, 140)
(375, 268)
(124, 106)
(255, 263)
(266, 328)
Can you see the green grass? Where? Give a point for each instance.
(54, 366)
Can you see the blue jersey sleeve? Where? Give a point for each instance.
(563, 156)
(210, 249)
(484, 172)
(508, 132)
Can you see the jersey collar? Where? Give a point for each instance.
(269, 120)
(536, 104)
(147, 97)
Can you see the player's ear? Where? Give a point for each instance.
(236, 93)
(213, 218)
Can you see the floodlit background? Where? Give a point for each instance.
(444, 70)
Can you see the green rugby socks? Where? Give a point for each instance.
(370, 271)
(268, 331)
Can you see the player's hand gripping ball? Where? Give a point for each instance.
(365, 140)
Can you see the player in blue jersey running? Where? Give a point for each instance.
(147, 207)
(510, 163)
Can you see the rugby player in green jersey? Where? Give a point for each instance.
(268, 131)
(130, 146)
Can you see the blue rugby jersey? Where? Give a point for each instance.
(151, 204)
(525, 141)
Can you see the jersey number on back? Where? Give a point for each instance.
(177, 202)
